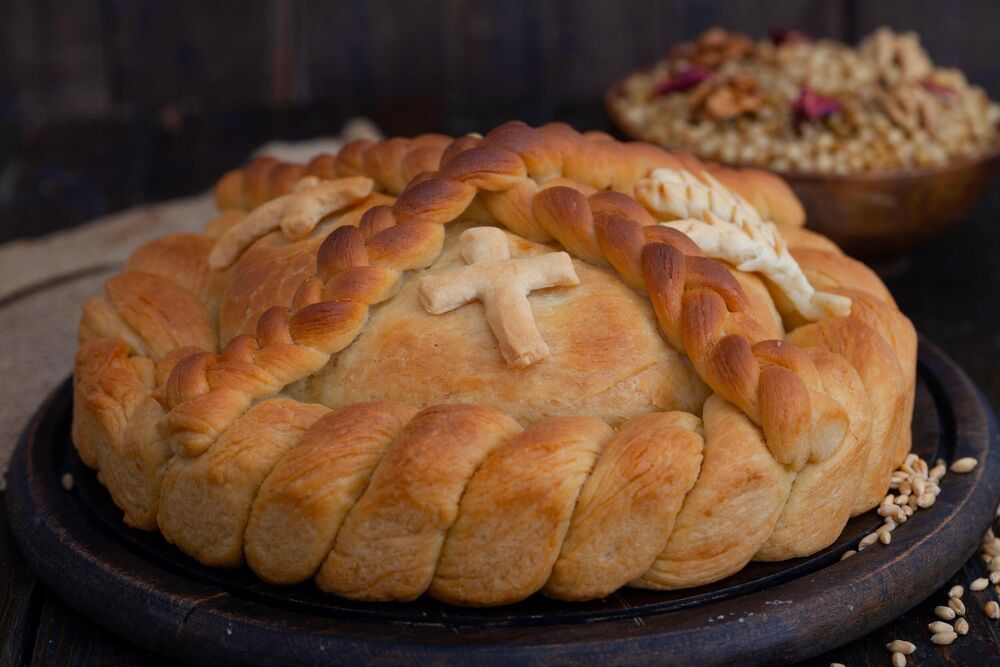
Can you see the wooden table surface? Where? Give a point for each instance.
(75, 172)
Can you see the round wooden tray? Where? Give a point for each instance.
(142, 588)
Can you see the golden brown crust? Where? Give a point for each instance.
(181, 259)
(883, 380)
(399, 503)
(296, 214)
(627, 507)
(226, 479)
(823, 489)
(800, 237)
(133, 469)
(268, 274)
(163, 314)
(148, 312)
(391, 163)
(391, 540)
(716, 533)
(301, 505)
(515, 512)
(829, 270)
(105, 391)
(897, 330)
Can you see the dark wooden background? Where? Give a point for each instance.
(105, 104)
(165, 95)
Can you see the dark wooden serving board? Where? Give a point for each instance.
(138, 586)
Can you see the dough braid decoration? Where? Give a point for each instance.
(295, 198)
(380, 501)
(162, 309)
(391, 164)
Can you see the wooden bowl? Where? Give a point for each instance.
(877, 215)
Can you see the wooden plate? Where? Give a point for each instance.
(140, 587)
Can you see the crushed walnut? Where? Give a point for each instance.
(911, 106)
(898, 58)
(793, 104)
(722, 98)
(712, 48)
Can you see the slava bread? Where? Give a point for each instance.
(532, 362)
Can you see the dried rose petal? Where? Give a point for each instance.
(810, 106)
(684, 81)
(788, 36)
(938, 89)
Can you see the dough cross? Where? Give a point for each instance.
(502, 285)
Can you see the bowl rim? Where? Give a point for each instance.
(989, 155)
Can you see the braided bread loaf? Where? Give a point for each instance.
(345, 433)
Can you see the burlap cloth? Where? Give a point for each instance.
(44, 281)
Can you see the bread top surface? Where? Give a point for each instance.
(607, 357)
(267, 274)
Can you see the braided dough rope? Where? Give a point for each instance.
(726, 227)
(391, 164)
(296, 197)
(884, 329)
(162, 309)
(159, 310)
(390, 488)
(155, 313)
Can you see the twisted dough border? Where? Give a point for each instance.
(546, 183)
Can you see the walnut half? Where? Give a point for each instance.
(713, 48)
(898, 57)
(910, 106)
(726, 97)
